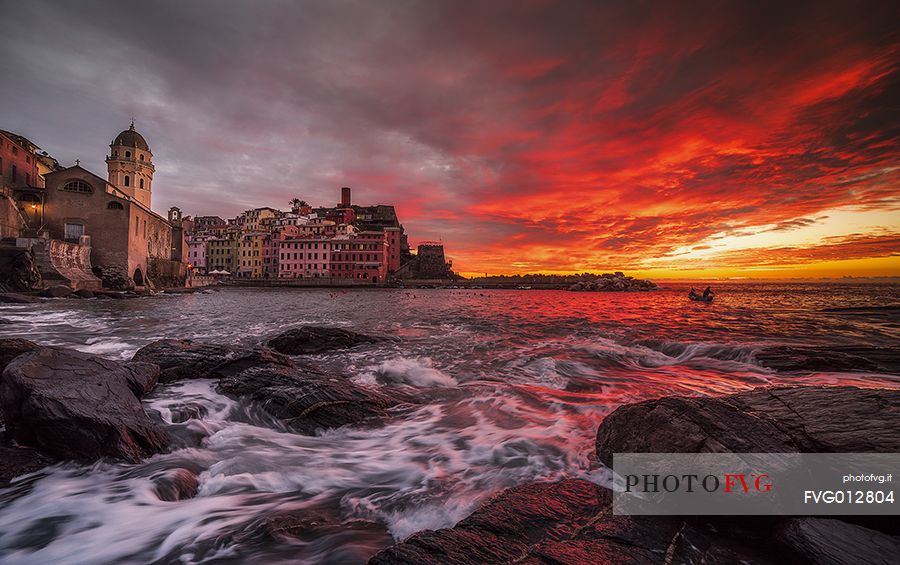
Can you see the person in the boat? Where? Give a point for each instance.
(707, 293)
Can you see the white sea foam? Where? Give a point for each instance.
(417, 372)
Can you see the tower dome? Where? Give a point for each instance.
(130, 165)
(131, 138)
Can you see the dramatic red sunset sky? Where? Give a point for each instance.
(722, 139)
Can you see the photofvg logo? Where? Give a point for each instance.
(728, 483)
(754, 483)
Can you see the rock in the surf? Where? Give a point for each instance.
(141, 377)
(73, 405)
(785, 358)
(312, 339)
(180, 359)
(768, 420)
(176, 484)
(305, 400)
(57, 291)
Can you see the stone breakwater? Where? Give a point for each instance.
(63, 405)
(615, 282)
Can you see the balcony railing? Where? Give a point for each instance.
(130, 160)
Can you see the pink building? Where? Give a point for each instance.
(197, 252)
(304, 257)
(360, 257)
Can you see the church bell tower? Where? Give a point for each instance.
(130, 165)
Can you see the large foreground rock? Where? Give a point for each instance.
(773, 420)
(73, 405)
(312, 339)
(304, 400)
(186, 359)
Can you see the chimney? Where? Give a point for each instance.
(345, 197)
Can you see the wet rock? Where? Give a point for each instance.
(114, 294)
(312, 524)
(16, 461)
(311, 339)
(186, 359)
(73, 405)
(141, 377)
(56, 291)
(178, 484)
(16, 298)
(832, 359)
(833, 542)
(304, 400)
(10, 348)
(182, 290)
(773, 420)
(83, 293)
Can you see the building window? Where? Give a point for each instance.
(142, 157)
(14, 174)
(142, 183)
(74, 231)
(114, 206)
(27, 179)
(77, 186)
(127, 180)
(128, 154)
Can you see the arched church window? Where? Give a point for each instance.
(115, 206)
(128, 154)
(142, 183)
(77, 186)
(127, 180)
(142, 156)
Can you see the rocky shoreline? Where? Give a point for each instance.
(571, 521)
(63, 291)
(64, 405)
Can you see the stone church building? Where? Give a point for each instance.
(131, 245)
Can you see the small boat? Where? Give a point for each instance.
(700, 298)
